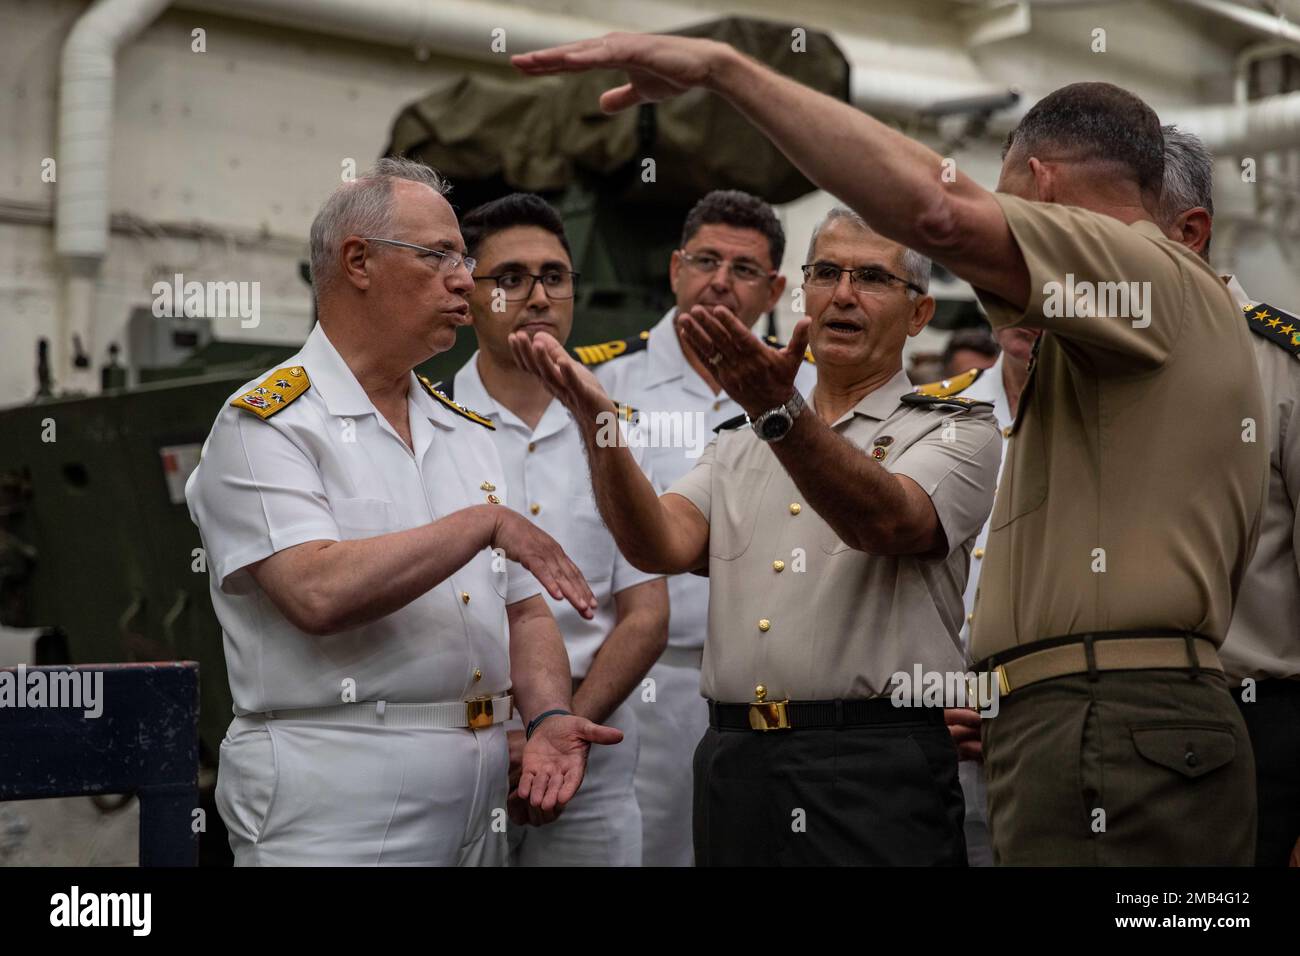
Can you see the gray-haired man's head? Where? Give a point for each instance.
(1188, 186)
(362, 207)
(388, 265)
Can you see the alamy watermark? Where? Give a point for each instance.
(966, 689)
(1084, 299)
(208, 300)
(77, 690)
(653, 429)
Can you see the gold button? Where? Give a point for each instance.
(778, 566)
(795, 507)
(478, 675)
(464, 596)
(532, 446)
(534, 508)
(1006, 432)
(488, 486)
(760, 692)
(764, 625)
(970, 617)
(716, 406)
(978, 553)
(493, 500)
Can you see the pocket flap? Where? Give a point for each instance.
(1191, 749)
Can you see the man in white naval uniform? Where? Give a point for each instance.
(524, 281)
(731, 247)
(362, 567)
(1001, 384)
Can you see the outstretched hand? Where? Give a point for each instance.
(554, 763)
(564, 377)
(658, 67)
(756, 375)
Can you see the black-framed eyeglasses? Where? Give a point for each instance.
(869, 281)
(447, 261)
(517, 286)
(706, 264)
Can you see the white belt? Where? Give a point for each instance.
(475, 714)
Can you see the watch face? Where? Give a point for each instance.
(774, 426)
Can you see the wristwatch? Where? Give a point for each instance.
(774, 423)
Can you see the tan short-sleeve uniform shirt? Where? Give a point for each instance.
(793, 607)
(1133, 484)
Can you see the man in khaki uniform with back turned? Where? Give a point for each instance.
(1129, 503)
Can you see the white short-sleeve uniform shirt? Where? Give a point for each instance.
(546, 469)
(329, 467)
(659, 381)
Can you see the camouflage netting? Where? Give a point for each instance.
(541, 135)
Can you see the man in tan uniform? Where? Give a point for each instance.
(1262, 651)
(1131, 496)
(836, 537)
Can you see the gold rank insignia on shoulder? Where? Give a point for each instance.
(275, 392)
(937, 401)
(626, 412)
(456, 407)
(597, 354)
(944, 388)
(1279, 327)
(776, 343)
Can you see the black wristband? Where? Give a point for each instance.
(536, 721)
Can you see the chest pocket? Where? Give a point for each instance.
(588, 542)
(363, 517)
(735, 506)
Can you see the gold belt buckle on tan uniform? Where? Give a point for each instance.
(767, 714)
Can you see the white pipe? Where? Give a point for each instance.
(81, 212)
(87, 71)
(1278, 28)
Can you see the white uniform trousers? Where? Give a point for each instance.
(299, 793)
(979, 850)
(601, 826)
(671, 726)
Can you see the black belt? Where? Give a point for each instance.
(826, 714)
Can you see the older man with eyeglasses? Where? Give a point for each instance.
(836, 533)
(373, 589)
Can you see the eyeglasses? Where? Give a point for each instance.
(707, 264)
(448, 262)
(826, 275)
(518, 286)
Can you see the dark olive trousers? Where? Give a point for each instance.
(878, 795)
(1273, 720)
(1143, 767)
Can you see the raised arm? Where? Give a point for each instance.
(895, 183)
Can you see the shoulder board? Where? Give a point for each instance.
(731, 423)
(1280, 328)
(456, 407)
(950, 386)
(596, 354)
(275, 392)
(938, 401)
(773, 341)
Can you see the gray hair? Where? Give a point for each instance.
(362, 207)
(914, 266)
(1189, 175)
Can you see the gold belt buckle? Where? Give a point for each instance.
(767, 714)
(1004, 685)
(478, 711)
